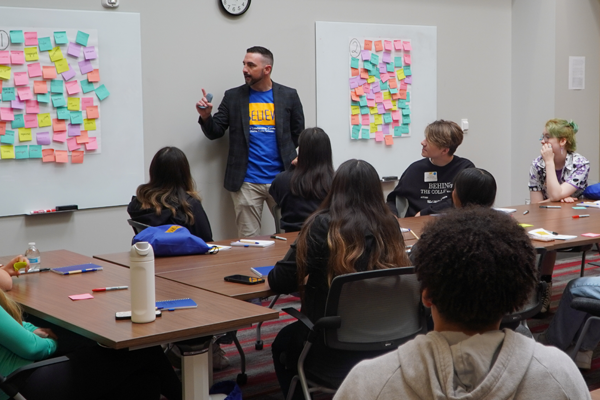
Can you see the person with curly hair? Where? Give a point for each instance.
(475, 265)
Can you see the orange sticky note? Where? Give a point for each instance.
(389, 140)
(77, 157)
(62, 156)
(354, 96)
(92, 112)
(359, 91)
(49, 72)
(94, 76)
(364, 73)
(59, 125)
(40, 87)
(356, 120)
(392, 83)
(354, 72)
(368, 45)
(402, 94)
(2, 128)
(378, 45)
(48, 155)
(83, 137)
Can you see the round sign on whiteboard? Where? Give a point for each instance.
(4, 40)
(355, 48)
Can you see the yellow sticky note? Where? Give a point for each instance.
(4, 72)
(25, 134)
(55, 54)
(7, 152)
(373, 110)
(73, 103)
(372, 127)
(378, 119)
(400, 74)
(31, 54)
(371, 79)
(61, 66)
(387, 95)
(355, 110)
(90, 124)
(525, 225)
(44, 120)
(394, 106)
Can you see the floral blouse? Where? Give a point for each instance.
(575, 173)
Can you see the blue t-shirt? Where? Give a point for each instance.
(264, 161)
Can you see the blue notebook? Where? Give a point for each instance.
(262, 271)
(175, 304)
(77, 269)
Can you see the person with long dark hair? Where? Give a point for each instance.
(170, 197)
(300, 190)
(353, 230)
(473, 187)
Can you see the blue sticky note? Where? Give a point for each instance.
(56, 86)
(408, 97)
(407, 70)
(60, 37)
(63, 113)
(367, 65)
(21, 152)
(43, 97)
(406, 111)
(374, 59)
(8, 137)
(390, 67)
(82, 38)
(397, 131)
(384, 85)
(405, 120)
(364, 110)
(17, 37)
(394, 90)
(35, 151)
(102, 92)
(8, 94)
(402, 103)
(387, 118)
(45, 43)
(404, 129)
(58, 100)
(355, 131)
(354, 62)
(354, 103)
(76, 117)
(579, 208)
(398, 62)
(363, 101)
(365, 134)
(375, 73)
(18, 122)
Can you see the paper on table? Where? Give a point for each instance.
(253, 243)
(590, 234)
(544, 235)
(84, 296)
(506, 210)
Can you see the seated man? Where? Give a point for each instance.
(427, 183)
(475, 265)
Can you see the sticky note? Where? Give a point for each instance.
(385, 128)
(25, 135)
(4, 57)
(76, 117)
(378, 45)
(77, 157)
(397, 44)
(387, 118)
(73, 103)
(21, 78)
(389, 140)
(354, 62)
(6, 114)
(43, 138)
(4, 72)
(405, 120)
(387, 57)
(378, 119)
(407, 70)
(18, 121)
(68, 74)
(35, 151)
(355, 110)
(365, 134)
(31, 39)
(396, 115)
(368, 45)
(49, 72)
(44, 120)
(72, 144)
(60, 37)
(34, 70)
(374, 59)
(94, 76)
(17, 104)
(86, 102)
(384, 87)
(579, 208)
(83, 138)
(40, 87)
(45, 44)
(366, 119)
(90, 53)
(58, 100)
(62, 156)
(73, 87)
(8, 93)
(7, 152)
(61, 66)
(403, 94)
(404, 129)
(90, 124)
(56, 86)
(30, 121)
(17, 37)
(21, 152)
(407, 59)
(364, 110)
(43, 98)
(365, 55)
(372, 128)
(92, 145)
(32, 106)
(406, 45)
(390, 67)
(590, 234)
(60, 137)
(59, 125)
(2, 128)
(55, 54)
(48, 155)
(17, 57)
(380, 108)
(82, 38)
(74, 49)
(406, 111)
(379, 136)
(387, 45)
(363, 102)
(8, 137)
(402, 104)
(74, 130)
(354, 71)
(63, 113)
(354, 120)
(397, 131)
(400, 74)
(355, 131)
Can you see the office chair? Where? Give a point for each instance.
(401, 206)
(365, 311)
(590, 306)
(137, 226)
(10, 385)
(276, 211)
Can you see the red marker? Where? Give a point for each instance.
(581, 216)
(104, 289)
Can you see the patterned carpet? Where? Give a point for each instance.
(262, 382)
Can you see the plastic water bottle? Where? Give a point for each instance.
(33, 255)
(143, 299)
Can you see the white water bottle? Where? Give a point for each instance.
(143, 301)
(33, 255)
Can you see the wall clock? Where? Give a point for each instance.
(235, 7)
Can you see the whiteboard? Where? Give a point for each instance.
(106, 179)
(333, 49)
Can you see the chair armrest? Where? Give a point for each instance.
(299, 316)
(585, 304)
(334, 322)
(38, 364)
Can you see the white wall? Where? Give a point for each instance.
(474, 81)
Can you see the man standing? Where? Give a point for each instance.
(264, 120)
(427, 184)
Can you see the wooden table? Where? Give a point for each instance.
(45, 295)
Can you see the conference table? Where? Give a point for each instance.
(46, 296)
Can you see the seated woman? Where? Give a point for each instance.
(473, 187)
(558, 174)
(353, 230)
(170, 197)
(300, 190)
(475, 265)
(92, 372)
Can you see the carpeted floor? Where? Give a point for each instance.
(262, 382)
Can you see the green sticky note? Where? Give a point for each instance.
(76, 117)
(8, 93)
(60, 37)
(43, 98)
(405, 120)
(363, 103)
(45, 43)
(82, 38)
(8, 137)
(387, 118)
(102, 92)
(406, 111)
(394, 90)
(407, 70)
(404, 129)
(56, 86)
(355, 131)
(398, 62)
(21, 152)
(35, 151)
(354, 62)
(579, 208)
(374, 59)
(367, 65)
(375, 73)
(390, 67)
(58, 100)
(402, 103)
(17, 37)
(397, 131)
(354, 103)
(63, 113)
(365, 133)
(408, 97)
(18, 122)
(364, 110)
(383, 85)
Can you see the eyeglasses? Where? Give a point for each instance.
(545, 138)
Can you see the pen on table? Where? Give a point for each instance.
(249, 241)
(31, 271)
(581, 216)
(414, 234)
(554, 233)
(105, 289)
(525, 212)
(549, 206)
(81, 271)
(278, 237)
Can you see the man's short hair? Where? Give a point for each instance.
(444, 134)
(477, 265)
(266, 53)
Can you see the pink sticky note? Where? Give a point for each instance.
(406, 46)
(90, 53)
(21, 78)
(32, 107)
(83, 138)
(4, 57)
(387, 45)
(74, 49)
(366, 120)
(48, 155)
(77, 157)
(62, 156)
(403, 85)
(43, 137)
(85, 66)
(379, 136)
(17, 57)
(407, 59)
(31, 121)
(68, 74)
(6, 114)
(34, 70)
(72, 144)
(59, 137)
(371, 102)
(379, 97)
(398, 44)
(590, 234)
(59, 125)
(17, 104)
(31, 39)
(384, 77)
(387, 104)
(92, 145)
(395, 123)
(389, 140)
(73, 87)
(396, 115)
(49, 72)
(87, 102)
(25, 93)
(74, 130)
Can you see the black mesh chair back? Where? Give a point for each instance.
(137, 226)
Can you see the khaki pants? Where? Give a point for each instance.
(248, 204)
